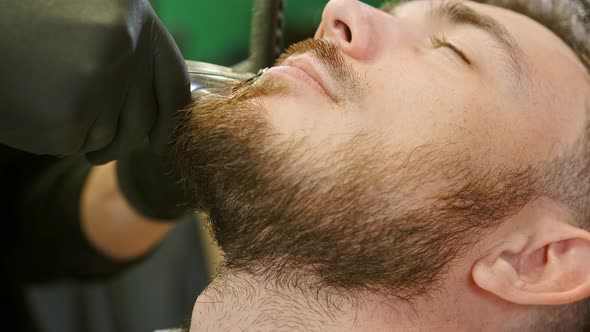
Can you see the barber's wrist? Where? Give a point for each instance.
(114, 229)
(149, 188)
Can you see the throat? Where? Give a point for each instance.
(232, 303)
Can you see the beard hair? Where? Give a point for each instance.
(360, 217)
(364, 216)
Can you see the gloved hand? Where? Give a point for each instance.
(148, 186)
(94, 76)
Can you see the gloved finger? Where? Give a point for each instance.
(135, 122)
(106, 102)
(171, 83)
(139, 110)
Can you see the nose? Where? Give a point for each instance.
(349, 24)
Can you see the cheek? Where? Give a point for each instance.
(416, 109)
(300, 116)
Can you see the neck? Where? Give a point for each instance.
(234, 301)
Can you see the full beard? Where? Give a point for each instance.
(363, 216)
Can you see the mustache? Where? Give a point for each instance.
(327, 54)
(330, 56)
(325, 51)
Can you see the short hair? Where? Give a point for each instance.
(568, 19)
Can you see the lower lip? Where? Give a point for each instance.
(296, 74)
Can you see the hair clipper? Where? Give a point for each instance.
(266, 39)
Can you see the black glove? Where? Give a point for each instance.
(93, 76)
(149, 187)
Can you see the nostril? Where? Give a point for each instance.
(348, 34)
(344, 29)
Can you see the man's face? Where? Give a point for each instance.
(374, 155)
(511, 104)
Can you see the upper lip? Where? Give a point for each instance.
(307, 66)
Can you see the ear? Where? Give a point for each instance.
(542, 262)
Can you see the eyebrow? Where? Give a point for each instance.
(459, 13)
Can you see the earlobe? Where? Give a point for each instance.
(549, 268)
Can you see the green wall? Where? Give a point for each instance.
(218, 31)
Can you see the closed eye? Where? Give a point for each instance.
(441, 41)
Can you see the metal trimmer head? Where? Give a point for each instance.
(206, 77)
(266, 42)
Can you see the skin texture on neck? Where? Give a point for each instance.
(240, 301)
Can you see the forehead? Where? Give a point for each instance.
(564, 74)
(556, 71)
(537, 42)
